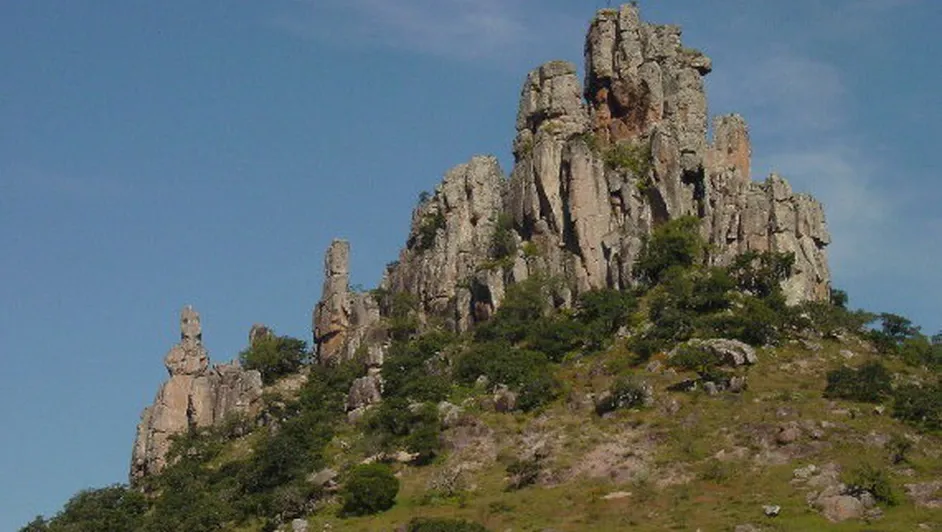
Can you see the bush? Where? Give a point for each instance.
(869, 384)
(525, 371)
(676, 243)
(626, 392)
(275, 356)
(919, 406)
(634, 157)
(114, 508)
(443, 524)
(868, 478)
(398, 423)
(504, 242)
(369, 489)
(428, 229)
(524, 472)
(761, 274)
(408, 372)
(602, 312)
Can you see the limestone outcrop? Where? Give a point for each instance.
(343, 319)
(197, 395)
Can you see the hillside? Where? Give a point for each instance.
(627, 332)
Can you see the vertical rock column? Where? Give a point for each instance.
(343, 320)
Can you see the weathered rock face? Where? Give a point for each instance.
(195, 396)
(450, 240)
(596, 170)
(343, 319)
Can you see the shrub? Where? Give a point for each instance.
(761, 274)
(369, 489)
(919, 406)
(408, 372)
(870, 384)
(676, 243)
(634, 157)
(524, 303)
(866, 477)
(443, 524)
(396, 422)
(275, 356)
(525, 371)
(503, 242)
(626, 392)
(427, 231)
(602, 312)
(754, 321)
(115, 508)
(524, 472)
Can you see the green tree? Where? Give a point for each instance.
(114, 508)
(870, 384)
(369, 489)
(275, 356)
(676, 243)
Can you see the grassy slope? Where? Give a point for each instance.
(664, 460)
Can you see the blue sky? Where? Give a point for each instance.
(155, 154)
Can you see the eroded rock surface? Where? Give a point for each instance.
(596, 169)
(197, 395)
(343, 319)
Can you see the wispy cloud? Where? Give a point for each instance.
(464, 29)
(786, 89)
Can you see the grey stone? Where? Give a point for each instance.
(195, 396)
(504, 399)
(343, 320)
(771, 510)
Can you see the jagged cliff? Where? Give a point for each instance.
(597, 166)
(596, 169)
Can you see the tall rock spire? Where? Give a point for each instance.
(343, 318)
(196, 396)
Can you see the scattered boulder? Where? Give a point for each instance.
(505, 400)
(771, 510)
(925, 494)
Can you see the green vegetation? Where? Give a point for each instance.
(871, 383)
(920, 406)
(370, 489)
(275, 356)
(114, 508)
(428, 229)
(504, 241)
(581, 380)
(872, 479)
(675, 244)
(634, 157)
(444, 524)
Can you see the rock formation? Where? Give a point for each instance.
(195, 396)
(342, 319)
(596, 169)
(451, 239)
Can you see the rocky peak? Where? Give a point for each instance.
(639, 75)
(188, 357)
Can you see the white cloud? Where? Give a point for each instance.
(783, 89)
(465, 29)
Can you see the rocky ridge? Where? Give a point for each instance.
(597, 166)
